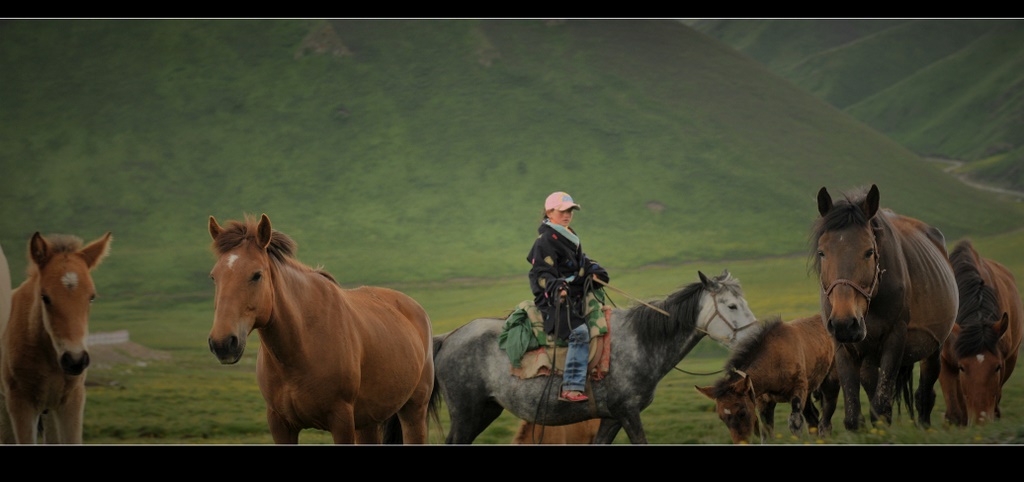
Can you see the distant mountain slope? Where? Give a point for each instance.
(944, 88)
(420, 150)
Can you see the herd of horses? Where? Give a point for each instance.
(364, 365)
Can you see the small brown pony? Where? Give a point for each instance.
(888, 298)
(981, 352)
(43, 353)
(530, 433)
(347, 361)
(783, 362)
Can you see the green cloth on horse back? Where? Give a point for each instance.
(523, 330)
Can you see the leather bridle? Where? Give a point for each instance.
(718, 314)
(866, 293)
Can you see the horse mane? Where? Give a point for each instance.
(58, 243)
(683, 306)
(978, 304)
(749, 348)
(281, 249)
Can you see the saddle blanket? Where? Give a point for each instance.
(532, 353)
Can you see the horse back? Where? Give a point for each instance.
(920, 270)
(804, 344)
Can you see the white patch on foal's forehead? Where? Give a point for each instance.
(231, 259)
(70, 280)
(980, 357)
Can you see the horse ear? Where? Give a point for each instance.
(824, 201)
(703, 279)
(706, 391)
(96, 250)
(741, 385)
(725, 274)
(870, 205)
(215, 228)
(38, 250)
(264, 232)
(1002, 324)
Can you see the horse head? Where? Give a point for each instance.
(847, 260)
(727, 317)
(980, 366)
(735, 406)
(243, 281)
(65, 288)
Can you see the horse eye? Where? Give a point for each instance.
(256, 276)
(46, 300)
(733, 307)
(960, 367)
(92, 298)
(821, 254)
(869, 253)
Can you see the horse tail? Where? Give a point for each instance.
(434, 402)
(905, 389)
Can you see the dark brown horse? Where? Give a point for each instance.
(350, 362)
(981, 352)
(888, 297)
(782, 362)
(43, 353)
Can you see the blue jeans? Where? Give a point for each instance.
(575, 375)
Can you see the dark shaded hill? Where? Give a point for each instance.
(941, 87)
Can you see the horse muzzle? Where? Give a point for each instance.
(228, 350)
(846, 330)
(74, 365)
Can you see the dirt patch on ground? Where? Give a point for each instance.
(106, 355)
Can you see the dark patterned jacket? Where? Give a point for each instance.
(554, 260)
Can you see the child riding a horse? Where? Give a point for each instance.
(560, 277)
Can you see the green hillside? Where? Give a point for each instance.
(421, 150)
(941, 87)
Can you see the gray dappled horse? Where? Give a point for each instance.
(473, 373)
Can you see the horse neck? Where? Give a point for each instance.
(687, 335)
(25, 324)
(297, 293)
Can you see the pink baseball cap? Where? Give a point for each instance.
(560, 201)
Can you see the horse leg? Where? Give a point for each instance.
(811, 413)
(607, 431)
(797, 422)
(766, 414)
(849, 376)
(24, 420)
(829, 391)
(280, 430)
(888, 372)
(413, 417)
(634, 427)
(925, 396)
(949, 380)
(469, 422)
(368, 435)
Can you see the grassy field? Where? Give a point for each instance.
(191, 399)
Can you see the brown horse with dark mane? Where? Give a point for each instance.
(782, 362)
(980, 354)
(43, 353)
(889, 299)
(353, 362)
